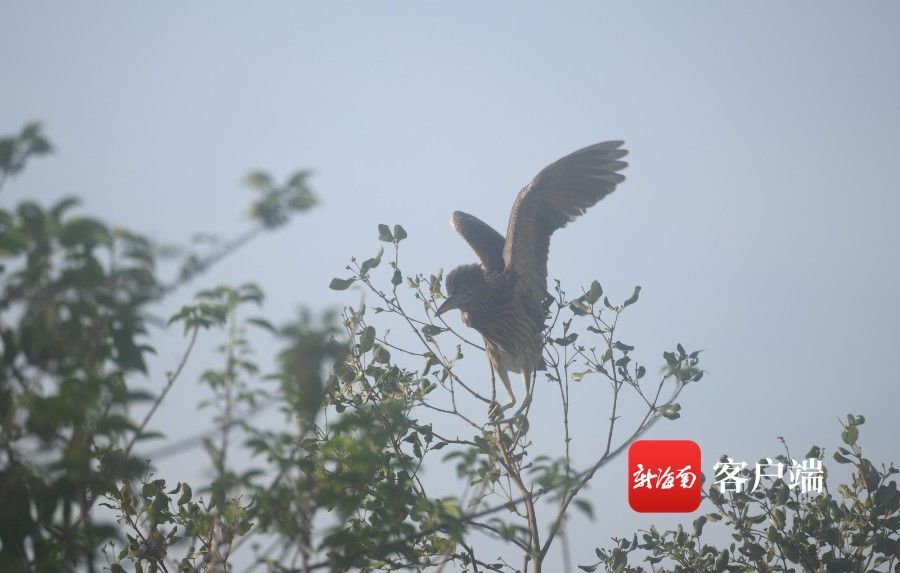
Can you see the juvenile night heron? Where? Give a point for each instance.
(504, 297)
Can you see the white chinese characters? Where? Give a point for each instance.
(806, 476)
(663, 478)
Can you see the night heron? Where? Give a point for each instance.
(504, 297)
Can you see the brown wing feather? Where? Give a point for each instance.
(484, 240)
(558, 194)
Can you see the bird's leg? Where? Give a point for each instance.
(528, 377)
(494, 410)
(493, 385)
(504, 377)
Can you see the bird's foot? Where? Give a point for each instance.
(496, 411)
(523, 409)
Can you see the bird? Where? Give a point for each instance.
(504, 296)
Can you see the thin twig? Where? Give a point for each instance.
(171, 378)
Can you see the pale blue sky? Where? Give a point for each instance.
(759, 215)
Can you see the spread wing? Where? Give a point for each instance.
(558, 194)
(484, 240)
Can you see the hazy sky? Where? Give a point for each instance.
(759, 215)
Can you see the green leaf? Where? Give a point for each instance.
(451, 508)
(366, 339)
(262, 323)
(430, 360)
(185, 494)
(397, 278)
(258, 181)
(623, 347)
(84, 231)
(840, 459)
(432, 330)
(671, 359)
(7, 150)
(756, 551)
(381, 354)
(778, 517)
(585, 507)
(580, 307)
(633, 298)
(40, 146)
(399, 233)
(64, 205)
(579, 376)
(31, 130)
(671, 411)
(341, 284)
(299, 179)
(698, 525)
(594, 293)
(384, 234)
(567, 340)
(849, 435)
(370, 264)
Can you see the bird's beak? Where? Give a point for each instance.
(448, 304)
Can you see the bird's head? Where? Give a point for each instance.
(462, 284)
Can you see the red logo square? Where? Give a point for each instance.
(664, 476)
